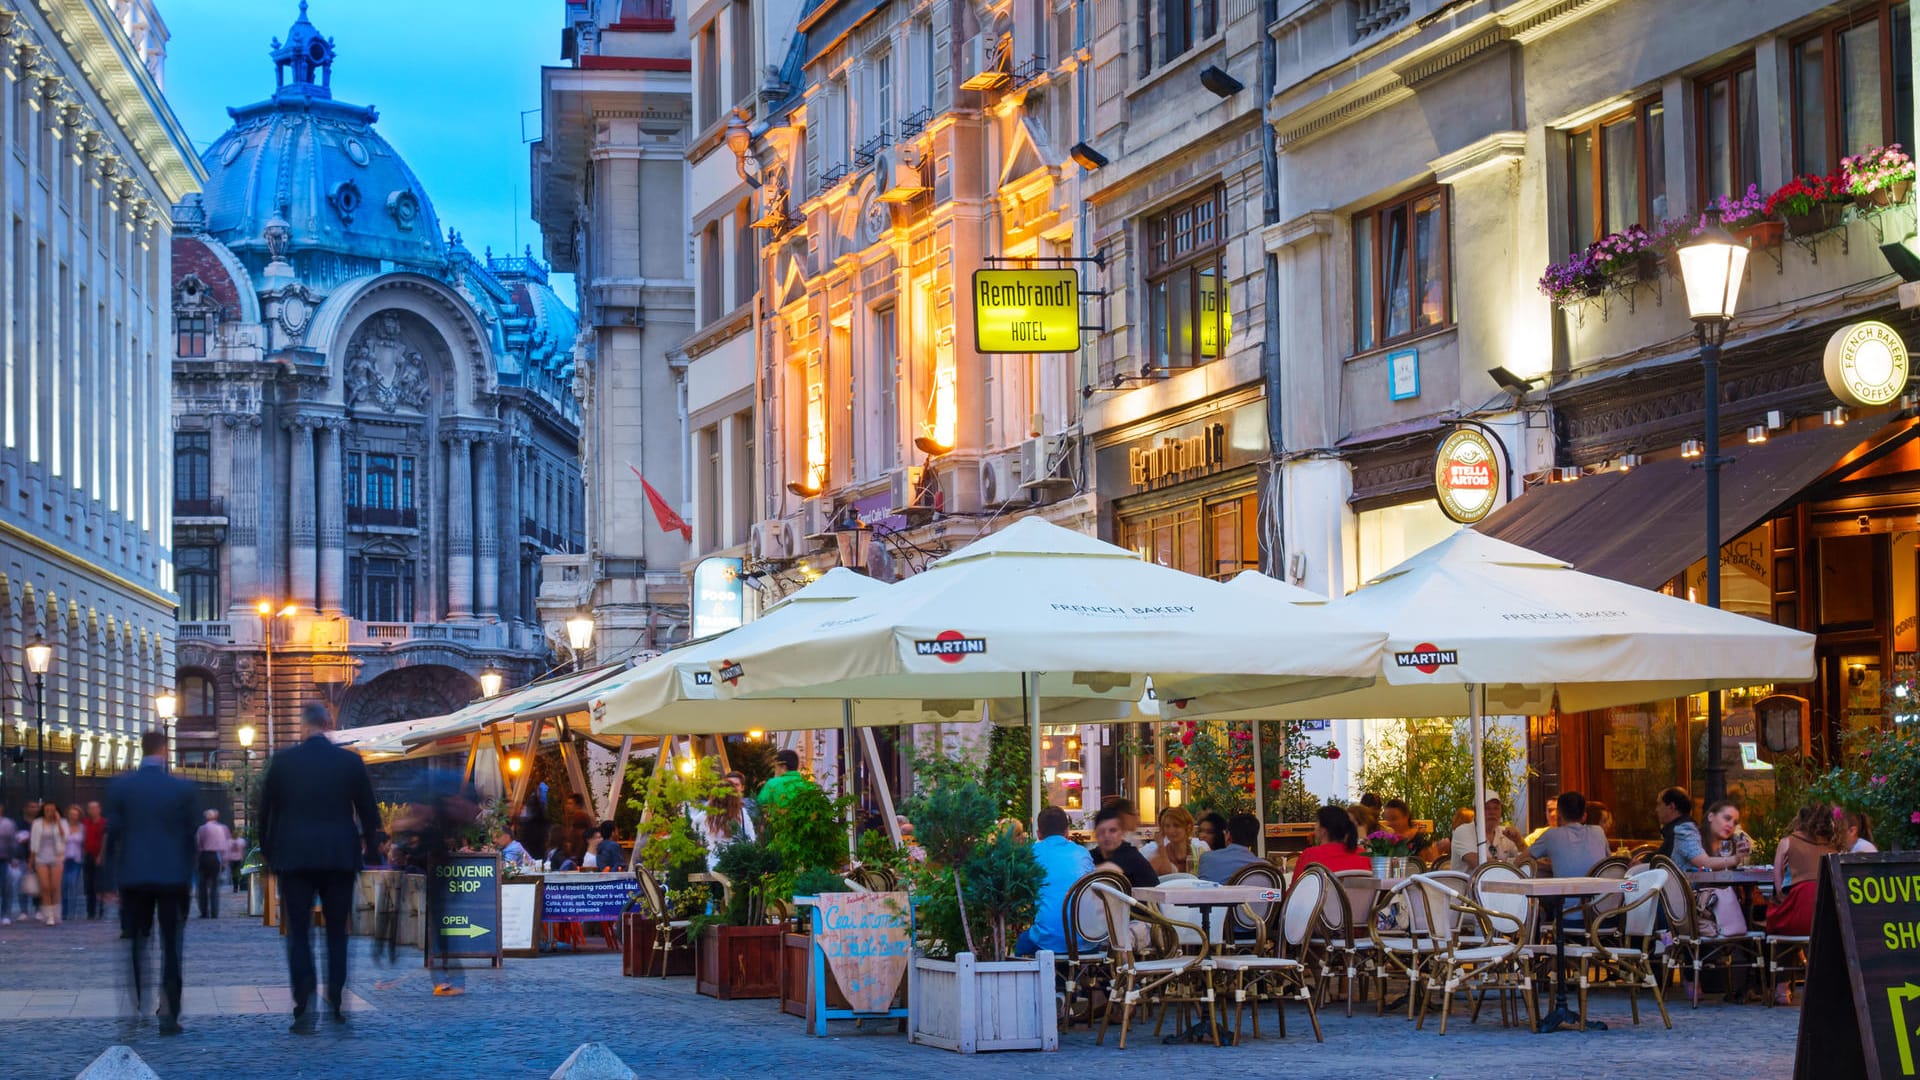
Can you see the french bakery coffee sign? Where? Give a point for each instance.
(1466, 475)
(1866, 364)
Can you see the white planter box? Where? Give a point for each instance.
(970, 1006)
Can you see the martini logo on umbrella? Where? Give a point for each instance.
(951, 646)
(703, 678)
(1427, 658)
(730, 670)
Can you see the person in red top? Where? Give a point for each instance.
(95, 846)
(1336, 844)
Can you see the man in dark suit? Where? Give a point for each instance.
(151, 817)
(317, 820)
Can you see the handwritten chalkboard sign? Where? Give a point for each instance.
(520, 917)
(464, 909)
(584, 898)
(1861, 1016)
(867, 942)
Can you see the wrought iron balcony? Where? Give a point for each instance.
(208, 507)
(384, 516)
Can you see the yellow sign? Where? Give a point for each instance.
(1466, 475)
(1866, 364)
(1026, 311)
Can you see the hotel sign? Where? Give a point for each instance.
(1866, 364)
(1220, 440)
(1466, 475)
(1174, 457)
(1026, 311)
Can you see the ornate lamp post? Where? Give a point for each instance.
(579, 637)
(490, 681)
(1712, 266)
(245, 735)
(267, 615)
(39, 659)
(165, 706)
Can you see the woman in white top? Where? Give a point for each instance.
(1857, 836)
(47, 841)
(721, 822)
(1177, 851)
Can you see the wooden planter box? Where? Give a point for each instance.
(738, 962)
(971, 1006)
(637, 957)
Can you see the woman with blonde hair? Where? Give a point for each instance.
(48, 843)
(1177, 850)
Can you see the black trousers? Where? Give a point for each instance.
(297, 892)
(209, 884)
(90, 873)
(139, 906)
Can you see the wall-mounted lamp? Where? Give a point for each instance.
(490, 681)
(740, 141)
(1087, 157)
(1757, 433)
(1776, 419)
(1627, 462)
(1567, 474)
(803, 490)
(930, 446)
(1690, 448)
(1836, 416)
(1516, 385)
(1221, 83)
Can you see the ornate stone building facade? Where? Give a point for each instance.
(95, 156)
(375, 437)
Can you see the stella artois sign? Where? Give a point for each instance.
(1466, 474)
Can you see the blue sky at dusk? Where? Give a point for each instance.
(450, 81)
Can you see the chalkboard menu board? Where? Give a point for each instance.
(583, 898)
(867, 941)
(1861, 1016)
(463, 912)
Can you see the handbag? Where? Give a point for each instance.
(30, 883)
(1719, 913)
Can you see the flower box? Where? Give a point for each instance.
(637, 955)
(738, 962)
(1761, 234)
(973, 1006)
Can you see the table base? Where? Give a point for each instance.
(1565, 1019)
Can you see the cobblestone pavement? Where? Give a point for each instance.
(524, 1019)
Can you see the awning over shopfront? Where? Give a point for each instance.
(1646, 526)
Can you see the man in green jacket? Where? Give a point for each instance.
(787, 780)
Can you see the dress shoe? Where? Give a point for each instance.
(170, 1025)
(304, 1023)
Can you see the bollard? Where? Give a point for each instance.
(593, 1061)
(117, 1063)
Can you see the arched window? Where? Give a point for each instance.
(197, 726)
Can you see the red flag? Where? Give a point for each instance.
(669, 520)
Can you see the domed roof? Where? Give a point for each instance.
(318, 165)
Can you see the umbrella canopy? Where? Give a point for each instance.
(1472, 610)
(673, 694)
(1038, 609)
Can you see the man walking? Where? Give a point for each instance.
(211, 842)
(9, 842)
(317, 819)
(150, 853)
(95, 846)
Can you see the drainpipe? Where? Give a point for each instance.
(1270, 351)
(1083, 240)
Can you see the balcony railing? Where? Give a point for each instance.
(488, 635)
(644, 15)
(389, 517)
(212, 506)
(216, 631)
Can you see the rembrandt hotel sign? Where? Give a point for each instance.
(1026, 311)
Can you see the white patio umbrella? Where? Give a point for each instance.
(1037, 611)
(1474, 620)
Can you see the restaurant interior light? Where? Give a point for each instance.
(1087, 157)
(515, 764)
(686, 766)
(755, 735)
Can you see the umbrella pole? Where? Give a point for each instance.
(847, 767)
(1476, 705)
(1259, 793)
(1030, 692)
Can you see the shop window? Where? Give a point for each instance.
(1853, 87)
(196, 570)
(1215, 537)
(1188, 318)
(1386, 537)
(1616, 173)
(1401, 269)
(1729, 131)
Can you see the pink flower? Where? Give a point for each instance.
(1915, 817)
(1878, 780)
(1178, 763)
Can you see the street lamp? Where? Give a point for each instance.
(39, 659)
(267, 615)
(164, 706)
(1712, 267)
(579, 637)
(245, 735)
(490, 683)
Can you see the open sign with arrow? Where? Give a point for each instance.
(464, 915)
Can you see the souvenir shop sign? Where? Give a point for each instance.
(466, 918)
(1861, 1016)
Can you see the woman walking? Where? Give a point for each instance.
(72, 880)
(47, 840)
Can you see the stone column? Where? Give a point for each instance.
(333, 528)
(487, 517)
(245, 582)
(459, 525)
(302, 516)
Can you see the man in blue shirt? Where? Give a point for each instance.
(1063, 862)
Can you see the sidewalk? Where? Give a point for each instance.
(59, 1009)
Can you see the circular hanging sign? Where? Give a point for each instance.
(1866, 364)
(1466, 473)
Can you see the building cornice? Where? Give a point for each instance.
(55, 551)
(1499, 148)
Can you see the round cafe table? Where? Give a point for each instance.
(1562, 1018)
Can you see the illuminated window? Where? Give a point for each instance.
(197, 571)
(816, 423)
(1617, 173)
(1188, 323)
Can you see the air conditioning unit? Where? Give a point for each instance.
(897, 181)
(1000, 480)
(1040, 460)
(816, 520)
(905, 483)
(771, 540)
(980, 63)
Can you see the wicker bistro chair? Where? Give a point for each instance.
(1346, 947)
(1628, 921)
(1172, 976)
(1274, 971)
(1436, 953)
(669, 933)
(1512, 905)
(1086, 965)
(1253, 921)
(1690, 948)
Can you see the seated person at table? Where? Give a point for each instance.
(1796, 877)
(1211, 829)
(1570, 848)
(607, 855)
(1397, 818)
(1857, 837)
(1110, 849)
(1243, 831)
(511, 850)
(1725, 846)
(1129, 814)
(1176, 851)
(1062, 862)
(1504, 842)
(1674, 809)
(1366, 820)
(1336, 844)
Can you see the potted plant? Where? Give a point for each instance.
(1570, 282)
(808, 832)
(1878, 177)
(1384, 847)
(737, 952)
(1746, 217)
(796, 944)
(977, 887)
(666, 848)
(1807, 204)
